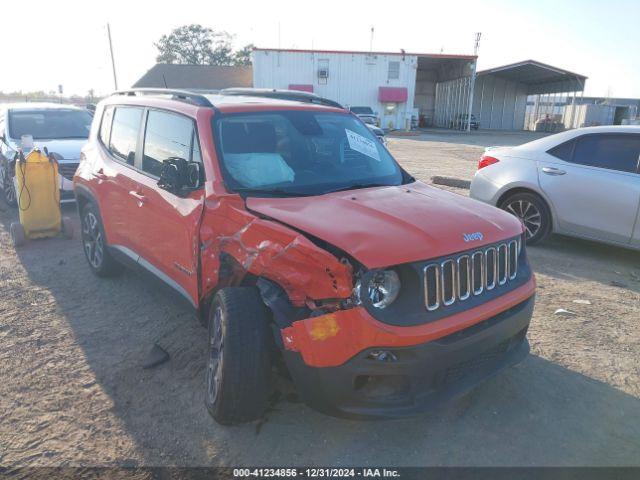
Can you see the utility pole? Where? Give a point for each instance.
(472, 79)
(113, 62)
(371, 42)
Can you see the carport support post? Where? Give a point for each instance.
(536, 108)
(581, 97)
(573, 109)
(472, 84)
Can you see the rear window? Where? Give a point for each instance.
(564, 151)
(46, 124)
(105, 126)
(124, 133)
(362, 110)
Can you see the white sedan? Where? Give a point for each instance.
(584, 183)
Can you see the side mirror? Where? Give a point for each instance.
(179, 176)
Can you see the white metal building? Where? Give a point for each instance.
(437, 89)
(396, 85)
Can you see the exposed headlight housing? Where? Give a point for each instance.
(379, 287)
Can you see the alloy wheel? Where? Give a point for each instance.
(214, 364)
(92, 240)
(9, 189)
(528, 213)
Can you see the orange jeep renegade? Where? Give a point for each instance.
(299, 240)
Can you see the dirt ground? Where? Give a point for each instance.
(73, 392)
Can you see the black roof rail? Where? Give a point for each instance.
(180, 95)
(281, 94)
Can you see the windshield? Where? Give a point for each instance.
(49, 124)
(301, 153)
(362, 110)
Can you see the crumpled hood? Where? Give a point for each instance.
(68, 148)
(384, 226)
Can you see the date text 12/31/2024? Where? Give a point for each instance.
(315, 473)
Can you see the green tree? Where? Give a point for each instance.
(243, 56)
(197, 45)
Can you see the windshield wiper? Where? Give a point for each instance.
(278, 192)
(357, 186)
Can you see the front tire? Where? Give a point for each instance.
(532, 210)
(94, 244)
(238, 359)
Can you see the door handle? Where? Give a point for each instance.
(553, 171)
(138, 196)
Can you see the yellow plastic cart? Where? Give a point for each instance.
(38, 195)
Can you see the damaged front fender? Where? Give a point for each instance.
(268, 249)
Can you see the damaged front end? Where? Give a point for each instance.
(238, 247)
(361, 342)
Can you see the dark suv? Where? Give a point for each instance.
(301, 243)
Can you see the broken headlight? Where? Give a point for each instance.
(381, 288)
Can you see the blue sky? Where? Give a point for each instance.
(64, 42)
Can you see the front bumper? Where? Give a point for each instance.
(422, 376)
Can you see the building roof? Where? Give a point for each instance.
(199, 77)
(540, 77)
(361, 52)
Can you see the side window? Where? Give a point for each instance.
(167, 135)
(563, 151)
(613, 152)
(394, 71)
(105, 125)
(124, 133)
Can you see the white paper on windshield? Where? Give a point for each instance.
(363, 145)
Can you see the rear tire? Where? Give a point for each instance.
(239, 376)
(94, 244)
(532, 210)
(18, 235)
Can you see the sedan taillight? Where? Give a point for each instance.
(486, 160)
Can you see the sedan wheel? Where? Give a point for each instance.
(532, 212)
(528, 213)
(9, 190)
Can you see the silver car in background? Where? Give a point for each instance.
(62, 129)
(583, 183)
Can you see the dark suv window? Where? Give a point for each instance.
(613, 152)
(124, 133)
(167, 135)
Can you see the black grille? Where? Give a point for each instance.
(67, 170)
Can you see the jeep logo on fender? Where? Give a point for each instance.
(471, 237)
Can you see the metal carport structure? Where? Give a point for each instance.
(500, 97)
(502, 94)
